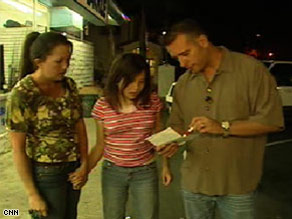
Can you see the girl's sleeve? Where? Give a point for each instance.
(98, 109)
(156, 102)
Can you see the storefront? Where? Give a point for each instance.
(153, 55)
(19, 17)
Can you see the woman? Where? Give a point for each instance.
(48, 135)
(125, 117)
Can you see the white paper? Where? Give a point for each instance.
(165, 137)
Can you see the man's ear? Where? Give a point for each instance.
(203, 41)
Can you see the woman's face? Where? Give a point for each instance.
(55, 66)
(133, 89)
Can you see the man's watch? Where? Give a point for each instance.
(226, 128)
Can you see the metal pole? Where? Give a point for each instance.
(34, 13)
(142, 43)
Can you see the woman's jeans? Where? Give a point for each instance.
(199, 206)
(140, 182)
(54, 187)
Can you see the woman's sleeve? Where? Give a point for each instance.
(16, 112)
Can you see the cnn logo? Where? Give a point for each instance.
(11, 212)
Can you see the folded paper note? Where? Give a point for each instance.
(168, 136)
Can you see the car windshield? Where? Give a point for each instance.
(283, 74)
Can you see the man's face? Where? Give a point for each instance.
(191, 53)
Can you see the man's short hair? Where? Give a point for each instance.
(188, 27)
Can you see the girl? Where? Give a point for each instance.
(125, 117)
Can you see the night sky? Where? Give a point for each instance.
(233, 25)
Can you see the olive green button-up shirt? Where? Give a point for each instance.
(242, 89)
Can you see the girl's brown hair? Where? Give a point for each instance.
(125, 68)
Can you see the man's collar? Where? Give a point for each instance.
(226, 62)
(224, 67)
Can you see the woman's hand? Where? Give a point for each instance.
(79, 177)
(36, 203)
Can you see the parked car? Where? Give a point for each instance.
(282, 71)
(168, 97)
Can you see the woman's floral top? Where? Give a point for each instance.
(49, 123)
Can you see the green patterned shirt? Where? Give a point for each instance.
(49, 123)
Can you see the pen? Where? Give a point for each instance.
(189, 131)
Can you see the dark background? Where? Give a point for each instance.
(232, 24)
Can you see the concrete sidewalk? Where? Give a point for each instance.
(90, 205)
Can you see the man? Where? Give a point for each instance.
(232, 101)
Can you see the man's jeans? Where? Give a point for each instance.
(56, 190)
(140, 182)
(198, 206)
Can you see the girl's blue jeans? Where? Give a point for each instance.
(141, 183)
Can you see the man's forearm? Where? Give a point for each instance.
(250, 128)
(241, 128)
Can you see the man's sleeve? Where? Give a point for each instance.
(265, 102)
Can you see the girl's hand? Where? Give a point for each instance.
(167, 150)
(166, 176)
(79, 177)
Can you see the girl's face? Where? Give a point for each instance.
(133, 89)
(54, 67)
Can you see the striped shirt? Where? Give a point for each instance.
(125, 133)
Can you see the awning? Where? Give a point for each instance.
(94, 14)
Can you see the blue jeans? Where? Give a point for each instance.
(199, 206)
(53, 185)
(140, 182)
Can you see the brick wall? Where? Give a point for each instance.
(12, 39)
(82, 63)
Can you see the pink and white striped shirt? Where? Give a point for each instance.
(125, 133)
